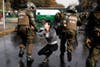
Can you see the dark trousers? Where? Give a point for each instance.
(48, 50)
(26, 39)
(92, 59)
(70, 37)
(62, 45)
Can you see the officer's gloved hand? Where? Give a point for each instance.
(88, 43)
(41, 29)
(40, 33)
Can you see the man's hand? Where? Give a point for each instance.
(88, 42)
(32, 27)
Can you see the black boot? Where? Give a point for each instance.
(62, 58)
(69, 56)
(21, 52)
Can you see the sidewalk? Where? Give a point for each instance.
(9, 27)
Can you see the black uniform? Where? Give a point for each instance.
(93, 33)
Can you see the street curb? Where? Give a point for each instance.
(7, 31)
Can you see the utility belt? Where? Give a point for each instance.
(71, 31)
(98, 47)
(23, 25)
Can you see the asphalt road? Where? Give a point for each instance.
(9, 54)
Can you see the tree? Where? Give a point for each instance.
(46, 3)
(0, 4)
(39, 3)
(8, 5)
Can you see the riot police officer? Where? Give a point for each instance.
(68, 34)
(26, 27)
(93, 37)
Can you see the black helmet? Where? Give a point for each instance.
(71, 9)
